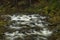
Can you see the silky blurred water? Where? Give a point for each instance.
(27, 27)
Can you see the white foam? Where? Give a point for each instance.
(31, 21)
(14, 17)
(39, 25)
(46, 32)
(12, 36)
(43, 17)
(14, 27)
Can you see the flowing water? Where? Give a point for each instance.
(27, 27)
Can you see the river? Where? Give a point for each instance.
(27, 27)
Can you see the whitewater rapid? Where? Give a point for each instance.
(23, 26)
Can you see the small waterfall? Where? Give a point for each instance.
(33, 25)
